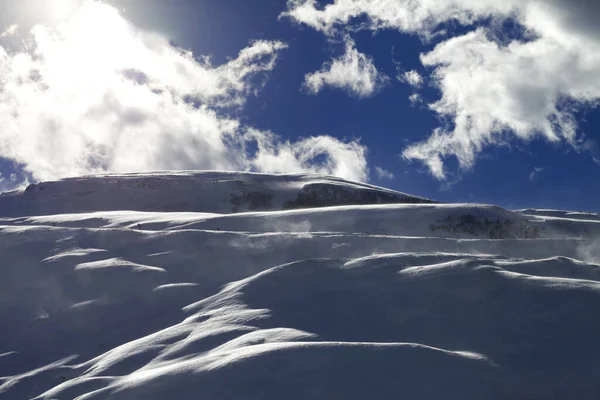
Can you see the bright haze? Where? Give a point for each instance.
(457, 100)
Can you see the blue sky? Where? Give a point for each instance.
(489, 62)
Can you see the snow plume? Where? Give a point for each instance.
(353, 72)
(494, 88)
(589, 251)
(82, 99)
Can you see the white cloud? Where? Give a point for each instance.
(12, 182)
(494, 93)
(321, 154)
(534, 174)
(420, 16)
(415, 99)
(383, 174)
(412, 77)
(98, 95)
(10, 31)
(353, 72)
(493, 89)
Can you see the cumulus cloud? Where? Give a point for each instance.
(412, 77)
(494, 89)
(96, 94)
(353, 72)
(320, 154)
(515, 90)
(383, 173)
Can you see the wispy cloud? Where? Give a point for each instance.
(10, 31)
(494, 89)
(534, 174)
(415, 99)
(383, 174)
(412, 77)
(410, 16)
(96, 94)
(353, 72)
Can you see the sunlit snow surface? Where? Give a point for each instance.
(186, 299)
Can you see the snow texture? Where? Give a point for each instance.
(183, 285)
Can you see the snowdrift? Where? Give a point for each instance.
(114, 289)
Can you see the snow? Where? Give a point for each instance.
(209, 191)
(153, 286)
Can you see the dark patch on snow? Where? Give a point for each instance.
(315, 195)
(253, 201)
(494, 229)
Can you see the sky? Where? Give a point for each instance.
(456, 100)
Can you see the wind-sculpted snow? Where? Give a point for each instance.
(383, 301)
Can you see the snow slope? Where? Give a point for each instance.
(114, 289)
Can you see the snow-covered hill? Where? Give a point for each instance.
(210, 191)
(186, 285)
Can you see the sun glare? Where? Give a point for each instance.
(60, 10)
(93, 41)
